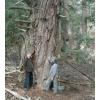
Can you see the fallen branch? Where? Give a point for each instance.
(12, 84)
(16, 94)
(22, 30)
(9, 76)
(80, 72)
(12, 71)
(64, 81)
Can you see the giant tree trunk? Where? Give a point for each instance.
(41, 39)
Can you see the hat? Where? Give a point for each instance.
(52, 60)
(28, 55)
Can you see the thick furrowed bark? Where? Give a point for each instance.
(41, 39)
(45, 39)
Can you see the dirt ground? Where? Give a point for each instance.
(72, 91)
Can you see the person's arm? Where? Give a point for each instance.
(57, 72)
(53, 71)
(23, 65)
(21, 68)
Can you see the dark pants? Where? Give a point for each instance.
(28, 82)
(51, 85)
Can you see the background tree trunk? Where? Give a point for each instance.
(84, 16)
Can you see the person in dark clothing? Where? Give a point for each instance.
(28, 68)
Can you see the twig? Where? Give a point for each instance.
(22, 30)
(21, 8)
(18, 2)
(23, 21)
(62, 16)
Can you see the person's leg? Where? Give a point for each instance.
(26, 81)
(55, 88)
(51, 85)
(31, 79)
(48, 82)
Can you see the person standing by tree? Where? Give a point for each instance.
(53, 74)
(28, 68)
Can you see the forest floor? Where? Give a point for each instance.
(76, 90)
